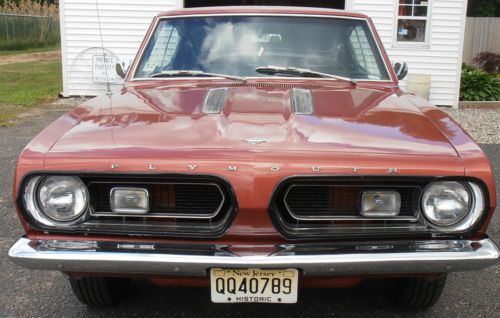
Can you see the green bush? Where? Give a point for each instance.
(476, 85)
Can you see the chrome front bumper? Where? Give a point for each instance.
(434, 256)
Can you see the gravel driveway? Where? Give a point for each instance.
(482, 124)
(26, 293)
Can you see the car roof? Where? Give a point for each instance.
(262, 10)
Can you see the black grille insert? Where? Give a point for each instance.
(180, 206)
(182, 200)
(341, 201)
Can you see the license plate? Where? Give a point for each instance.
(254, 285)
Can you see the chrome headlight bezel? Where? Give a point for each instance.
(475, 211)
(31, 202)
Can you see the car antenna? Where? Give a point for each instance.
(108, 85)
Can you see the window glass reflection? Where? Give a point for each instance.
(236, 45)
(411, 30)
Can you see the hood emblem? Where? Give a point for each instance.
(254, 141)
(392, 170)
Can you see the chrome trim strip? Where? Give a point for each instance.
(433, 256)
(215, 79)
(260, 14)
(372, 31)
(416, 218)
(256, 14)
(165, 215)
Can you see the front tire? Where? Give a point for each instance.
(418, 293)
(99, 291)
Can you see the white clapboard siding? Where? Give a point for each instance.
(441, 58)
(123, 25)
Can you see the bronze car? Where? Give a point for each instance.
(256, 151)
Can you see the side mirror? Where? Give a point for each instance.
(401, 69)
(120, 71)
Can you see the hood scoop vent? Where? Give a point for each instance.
(214, 101)
(302, 101)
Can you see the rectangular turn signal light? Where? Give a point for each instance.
(129, 200)
(380, 203)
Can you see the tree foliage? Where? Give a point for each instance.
(28, 7)
(483, 8)
(56, 2)
(488, 62)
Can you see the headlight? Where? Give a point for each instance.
(56, 200)
(451, 206)
(62, 199)
(446, 203)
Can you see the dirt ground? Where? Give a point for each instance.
(30, 57)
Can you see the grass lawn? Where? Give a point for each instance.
(24, 85)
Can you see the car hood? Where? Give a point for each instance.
(257, 118)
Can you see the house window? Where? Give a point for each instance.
(412, 21)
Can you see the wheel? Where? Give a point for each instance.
(99, 291)
(418, 293)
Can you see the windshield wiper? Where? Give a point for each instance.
(172, 73)
(271, 70)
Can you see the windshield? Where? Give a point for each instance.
(238, 45)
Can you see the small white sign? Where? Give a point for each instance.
(104, 68)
